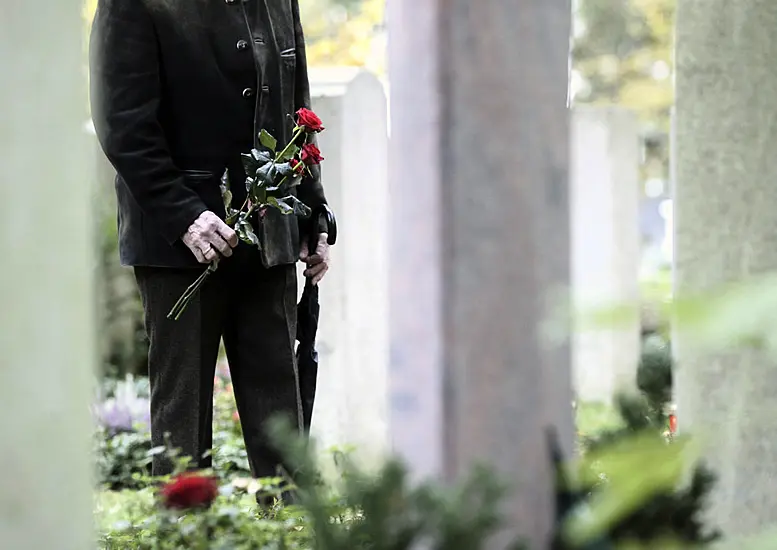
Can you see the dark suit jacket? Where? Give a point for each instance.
(179, 89)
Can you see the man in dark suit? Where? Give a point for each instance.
(179, 89)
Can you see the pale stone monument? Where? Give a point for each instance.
(46, 327)
(725, 231)
(604, 197)
(478, 179)
(351, 401)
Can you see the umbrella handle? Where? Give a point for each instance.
(331, 226)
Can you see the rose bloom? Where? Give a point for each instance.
(311, 154)
(309, 120)
(189, 491)
(297, 166)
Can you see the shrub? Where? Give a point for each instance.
(122, 443)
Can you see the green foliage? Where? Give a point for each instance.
(123, 459)
(624, 51)
(636, 484)
(654, 375)
(376, 512)
(394, 514)
(623, 54)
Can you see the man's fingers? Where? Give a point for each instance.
(320, 275)
(210, 253)
(198, 254)
(315, 259)
(303, 252)
(314, 270)
(227, 234)
(221, 245)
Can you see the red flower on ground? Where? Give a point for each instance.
(311, 154)
(297, 166)
(672, 424)
(189, 491)
(236, 416)
(309, 120)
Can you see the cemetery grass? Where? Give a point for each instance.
(127, 511)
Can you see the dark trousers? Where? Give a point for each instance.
(254, 310)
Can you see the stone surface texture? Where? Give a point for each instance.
(726, 231)
(46, 287)
(479, 223)
(604, 202)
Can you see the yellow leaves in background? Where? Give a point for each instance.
(333, 35)
(336, 38)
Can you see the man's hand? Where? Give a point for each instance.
(318, 263)
(208, 237)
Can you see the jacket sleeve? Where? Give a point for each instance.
(310, 191)
(125, 97)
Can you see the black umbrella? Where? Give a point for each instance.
(308, 311)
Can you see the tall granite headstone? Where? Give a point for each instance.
(479, 220)
(726, 231)
(604, 201)
(46, 288)
(351, 402)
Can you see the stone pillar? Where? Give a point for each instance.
(46, 329)
(351, 401)
(479, 220)
(605, 248)
(726, 231)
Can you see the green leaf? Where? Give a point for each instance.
(291, 150)
(290, 205)
(232, 214)
(284, 169)
(266, 174)
(250, 164)
(266, 139)
(226, 193)
(262, 156)
(300, 208)
(278, 204)
(637, 469)
(245, 232)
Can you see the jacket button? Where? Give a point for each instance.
(266, 89)
(259, 40)
(230, 1)
(248, 92)
(241, 45)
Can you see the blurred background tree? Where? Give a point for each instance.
(622, 55)
(345, 32)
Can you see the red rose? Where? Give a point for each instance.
(189, 491)
(310, 154)
(672, 424)
(297, 166)
(309, 120)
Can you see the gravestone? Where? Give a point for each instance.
(351, 402)
(605, 249)
(479, 221)
(725, 232)
(46, 329)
